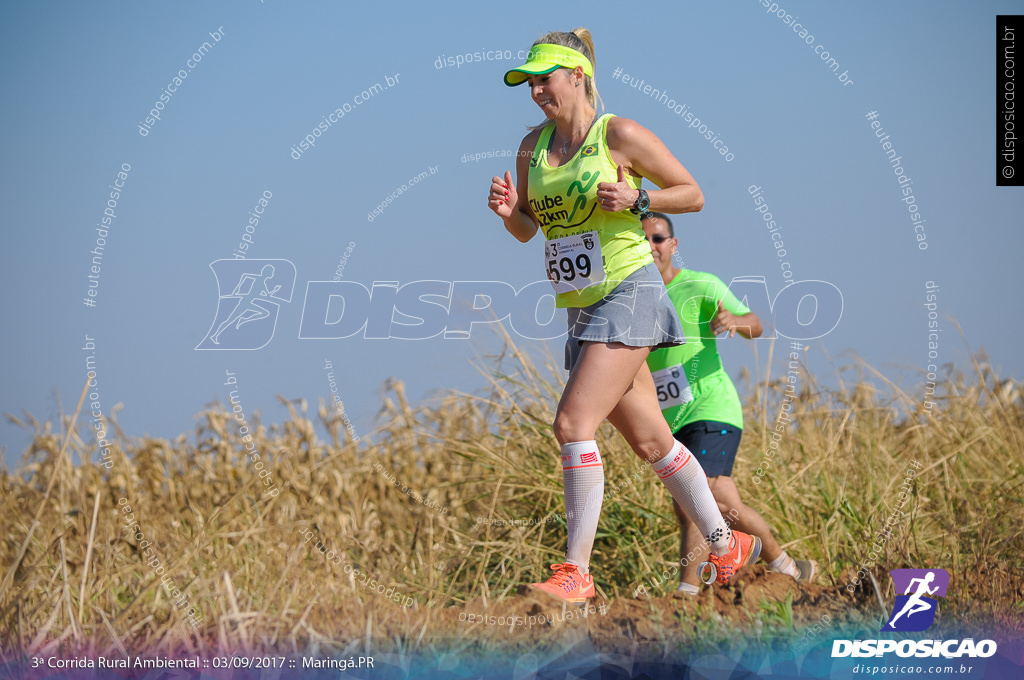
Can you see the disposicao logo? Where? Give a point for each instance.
(914, 611)
(250, 294)
(948, 649)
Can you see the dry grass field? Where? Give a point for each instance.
(416, 539)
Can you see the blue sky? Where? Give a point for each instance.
(79, 80)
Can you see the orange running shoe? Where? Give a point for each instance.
(744, 549)
(568, 584)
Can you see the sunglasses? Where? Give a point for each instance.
(659, 238)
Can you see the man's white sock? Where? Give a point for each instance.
(784, 564)
(685, 587)
(688, 484)
(583, 478)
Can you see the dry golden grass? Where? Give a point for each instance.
(74, 577)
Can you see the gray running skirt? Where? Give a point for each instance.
(637, 313)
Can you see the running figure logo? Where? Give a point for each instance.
(915, 609)
(247, 316)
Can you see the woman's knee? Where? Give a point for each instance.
(651, 449)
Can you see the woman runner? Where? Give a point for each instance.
(579, 181)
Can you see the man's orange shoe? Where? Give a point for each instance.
(568, 584)
(744, 549)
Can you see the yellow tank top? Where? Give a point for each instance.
(564, 199)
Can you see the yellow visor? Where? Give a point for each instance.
(545, 59)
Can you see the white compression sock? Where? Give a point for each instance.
(688, 484)
(583, 477)
(784, 564)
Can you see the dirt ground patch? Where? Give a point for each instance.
(760, 603)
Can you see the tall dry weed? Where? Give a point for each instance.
(460, 499)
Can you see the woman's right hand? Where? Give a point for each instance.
(503, 199)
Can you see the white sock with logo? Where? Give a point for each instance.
(583, 477)
(688, 484)
(784, 564)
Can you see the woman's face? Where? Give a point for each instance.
(552, 92)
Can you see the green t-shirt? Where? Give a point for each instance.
(692, 385)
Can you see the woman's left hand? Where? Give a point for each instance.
(616, 196)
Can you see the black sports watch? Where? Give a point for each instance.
(642, 203)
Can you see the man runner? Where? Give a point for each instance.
(700, 402)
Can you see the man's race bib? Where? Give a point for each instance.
(574, 262)
(672, 386)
